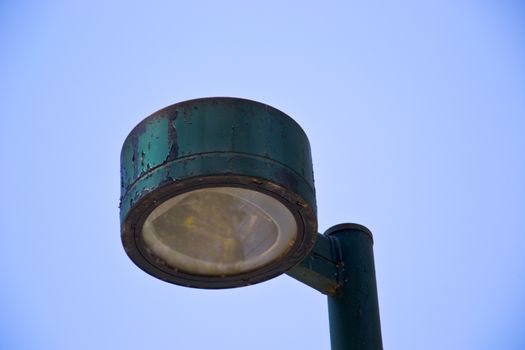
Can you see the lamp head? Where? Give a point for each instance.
(217, 193)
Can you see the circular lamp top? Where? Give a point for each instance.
(215, 196)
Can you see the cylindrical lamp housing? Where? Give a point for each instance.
(216, 142)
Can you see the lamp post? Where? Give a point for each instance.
(219, 193)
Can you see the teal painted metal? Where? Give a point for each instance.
(215, 136)
(216, 142)
(237, 142)
(320, 269)
(354, 309)
(341, 265)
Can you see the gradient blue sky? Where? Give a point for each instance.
(415, 112)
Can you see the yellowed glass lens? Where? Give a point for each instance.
(220, 231)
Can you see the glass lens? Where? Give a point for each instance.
(219, 231)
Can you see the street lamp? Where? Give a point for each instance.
(219, 193)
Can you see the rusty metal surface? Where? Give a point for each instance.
(214, 136)
(321, 269)
(216, 142)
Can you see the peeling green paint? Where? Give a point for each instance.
(215, 136)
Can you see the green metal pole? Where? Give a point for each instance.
(341, 265)
(353, 309)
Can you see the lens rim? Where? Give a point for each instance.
(283, 231)
(137, 249)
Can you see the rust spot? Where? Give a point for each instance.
(135, 146)
(172, 137)
(304, 205)
(331, 290)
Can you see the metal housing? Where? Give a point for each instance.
(216, 142)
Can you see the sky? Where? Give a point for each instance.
(415, 112)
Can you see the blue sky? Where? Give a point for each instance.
(415, 112)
